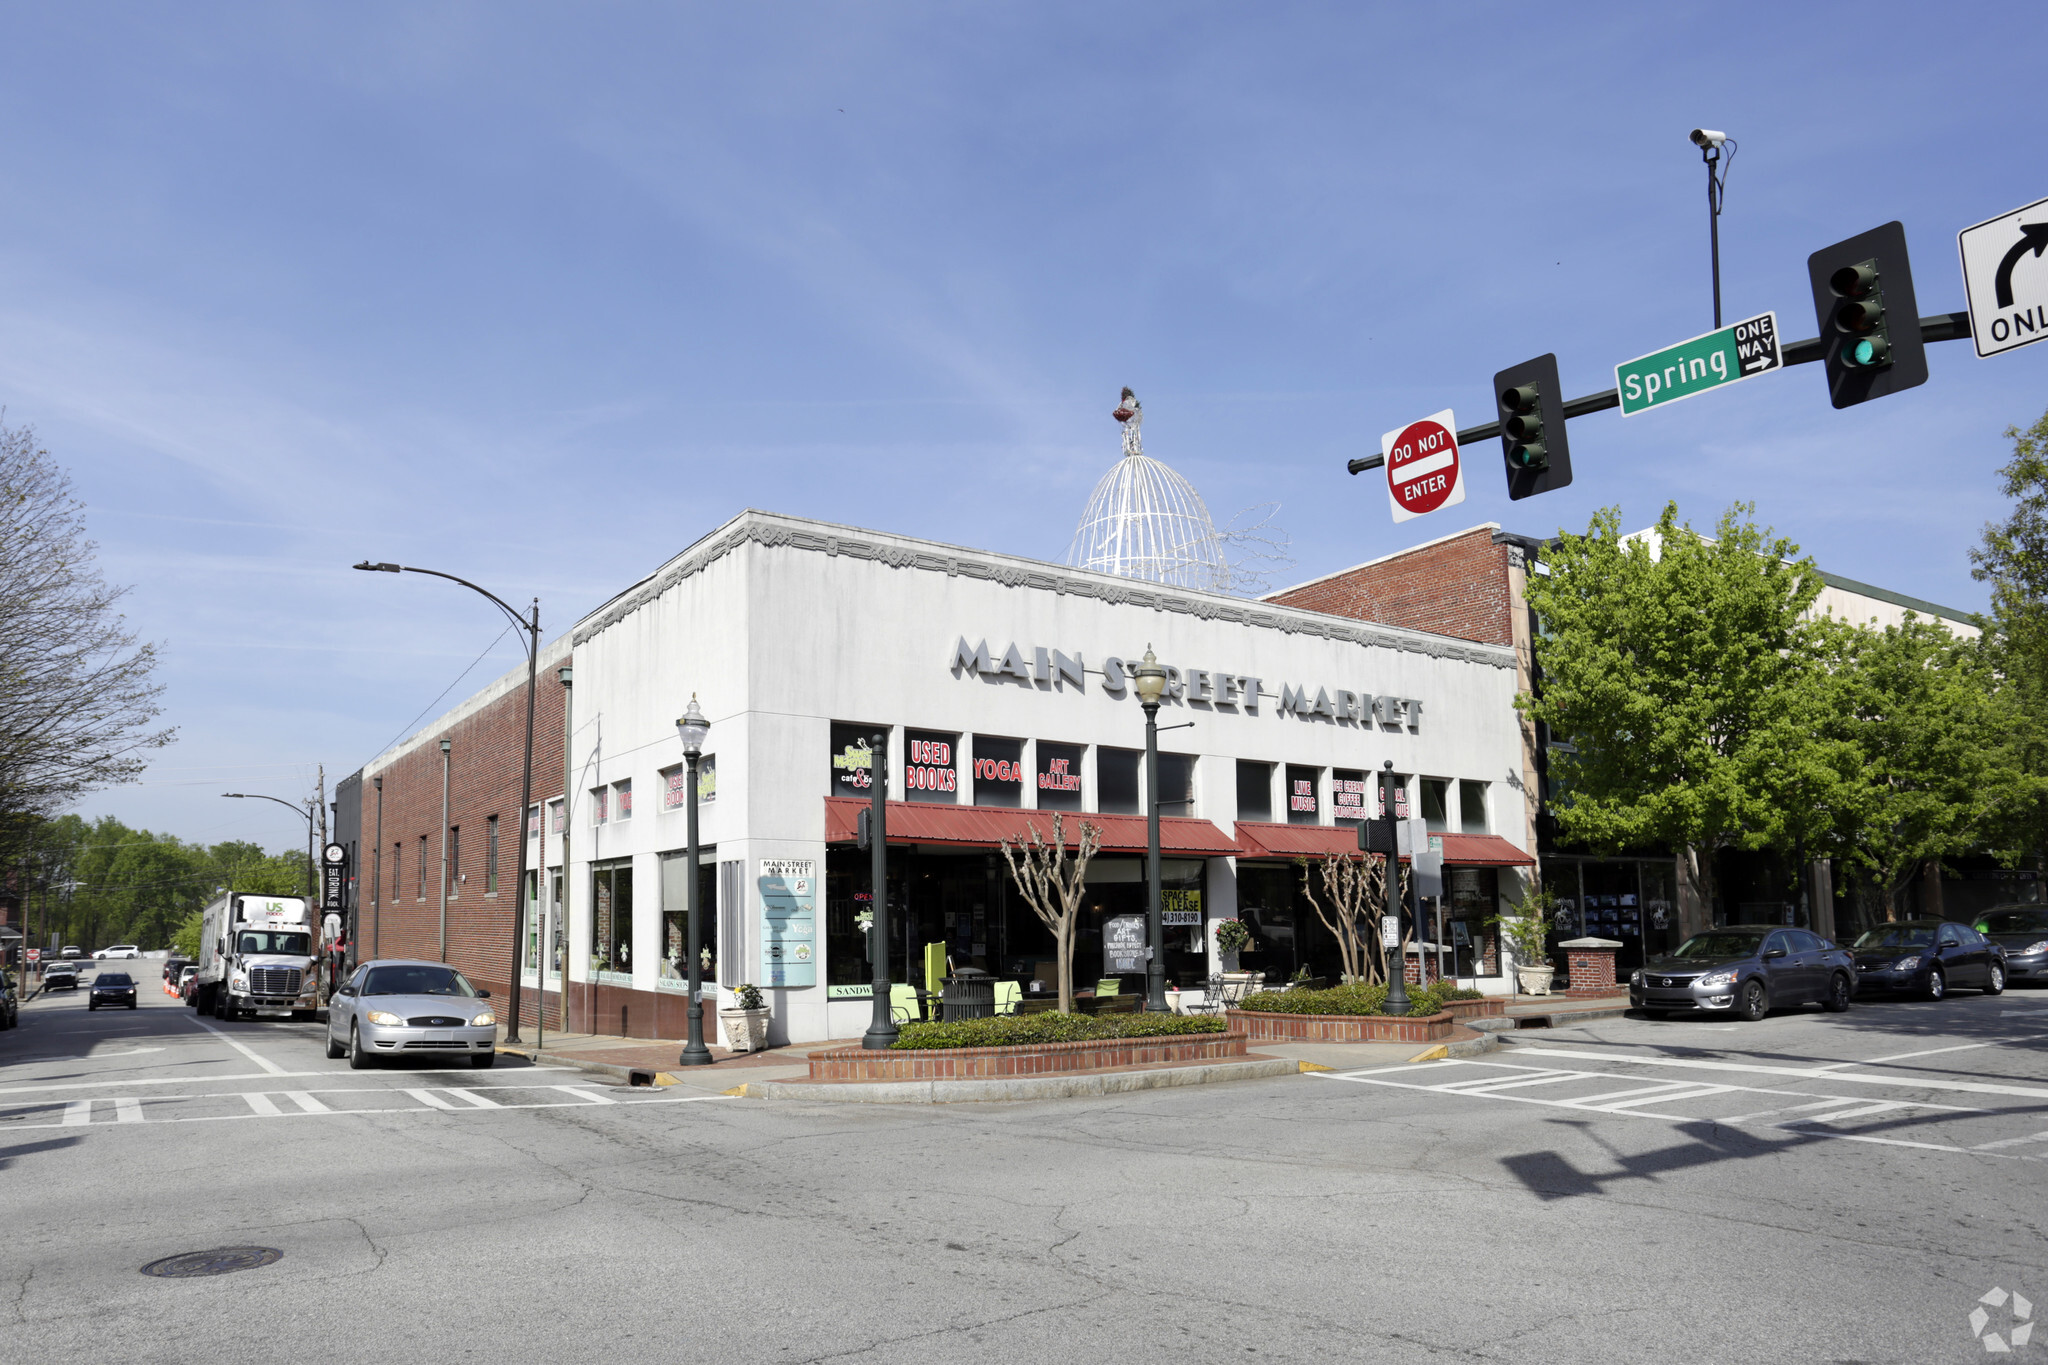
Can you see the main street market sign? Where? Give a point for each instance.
(1056, 669)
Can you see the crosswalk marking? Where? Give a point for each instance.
(77, 1112)
(474, 1100)
(263, 1104)
(585, 1093)
(127, 1109)
(2010, 1142)
(306, 1102)
(166, 1109)
(428, 1097)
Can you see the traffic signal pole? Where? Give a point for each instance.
(1939, 327)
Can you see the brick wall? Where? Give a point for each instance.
(1457, 586)
(484, 760)
(1592, 971)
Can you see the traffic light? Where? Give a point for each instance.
(1532, 436)
(1377, 834)
(1869, 319)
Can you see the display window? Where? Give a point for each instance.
(852, 758)
(930, 772)
(1349, 794)
(998, 771)
(1254, 790)
(1304, 807)
(1059, 776)
(1116, 781)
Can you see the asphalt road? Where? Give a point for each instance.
(1810, 1188)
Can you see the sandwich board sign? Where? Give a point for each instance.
(1424, 473)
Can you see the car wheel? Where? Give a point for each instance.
(358, 1060)
(1752, 1004)
(1995, 983)
(483, 1060)
(1937, 984)
(335, 1051)
(1838, 995)
(92, 1004)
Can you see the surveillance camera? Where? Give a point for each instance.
(1707, 137)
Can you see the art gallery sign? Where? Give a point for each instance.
(1040, 667)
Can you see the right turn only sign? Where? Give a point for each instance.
(2005, 276)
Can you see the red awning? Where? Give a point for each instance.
(918, 822)
(1256, 839)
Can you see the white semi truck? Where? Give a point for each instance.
(257, 953)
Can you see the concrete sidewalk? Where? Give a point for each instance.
(1562, 1011)
(652, 1061)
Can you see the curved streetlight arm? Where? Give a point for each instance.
(503, 605)
(291, 806)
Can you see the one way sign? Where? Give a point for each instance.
(2005, 275)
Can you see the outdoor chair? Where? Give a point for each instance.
(904, 1006)
(1109, 986)
(1009, 995)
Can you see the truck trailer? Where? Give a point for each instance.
(256, 952)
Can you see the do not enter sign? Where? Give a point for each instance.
(1423, 470)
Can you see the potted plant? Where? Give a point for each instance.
(1527, 936)
(1232, 938)
(745, 1019)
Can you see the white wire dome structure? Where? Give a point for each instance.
(1146, 521)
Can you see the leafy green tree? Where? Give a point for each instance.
(2013, 558)
(185, 942)
(1670, 665)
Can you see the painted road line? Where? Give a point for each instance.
(1544, 1076)
(1854, 1111)
(259, 1103)
(1615, 1101)
(474, 1100)
(307, 1104)
(428, 1097)
(75, 1113)
(238, 1076)
(432, 1109)
(1933, 1052)
(127, 1109)
(2034, 1092)
(270, 1067)
(2010, 1142)
(1827, 1103)
(585, 1093)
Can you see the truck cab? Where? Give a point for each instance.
(257, 954)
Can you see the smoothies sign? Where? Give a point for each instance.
(1423, 470)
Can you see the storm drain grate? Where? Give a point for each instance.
(220, 1261)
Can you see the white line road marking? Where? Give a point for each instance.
(69, 1121)
(475, 1100)
(1828, 1103)
(428, 1097)
(127, 1109)
(262, 1104)
(1854, 1111)
(586, 1094)
(1545, 1076)
(75, 1113)
(1630, 1099)
(1796, 1073)
(269, 1066)
(2010, 1142)
(306, 1102)
(236, 1076)
(1927, 1052)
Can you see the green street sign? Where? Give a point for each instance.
(1743, 351)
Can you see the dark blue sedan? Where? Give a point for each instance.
(112, 988)
(1928, 957)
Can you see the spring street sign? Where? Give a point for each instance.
(1743, 351)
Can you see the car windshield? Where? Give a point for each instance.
(1721, 943)
(2014, 922)
(184, 972)
(271, 941)
(1897, 936)
(112, 979)
(420, 980)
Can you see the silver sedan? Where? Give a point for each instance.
(401, 1008)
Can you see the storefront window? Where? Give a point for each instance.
(998, 771)
(1059, 776)
(1116, 781)
(851, 758)
(1254, 790)
(1470, 895)
(1435, 797)
(1472, 807)
(1302, 806)
(1350, 795)
(1176, 784)
(675, 915)
(611, 908)
(928, 771)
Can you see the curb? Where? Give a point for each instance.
(1566, 1018)
(1460, 1047)
(631, 1075)
(1017, 1088)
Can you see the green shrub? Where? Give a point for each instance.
(1011, 1030)
(1354, 998)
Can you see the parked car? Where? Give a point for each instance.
(119, 950)
(172, 966)
(10, 1002)
(1927, 957)
(112, 988)
(1750, 969)
(60, 974)
(2022, 930)
(188, 981)
(70, 950)
(406, 1008)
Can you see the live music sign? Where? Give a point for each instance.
(1423, 469)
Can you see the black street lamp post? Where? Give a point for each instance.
(881, 1024)
(1397, 971)
(531, 625)
(1150, 684)
(693, 727)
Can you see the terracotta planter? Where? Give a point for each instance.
(745, 1030)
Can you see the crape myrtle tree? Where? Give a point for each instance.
(1674, 670)
(1053, 881)
(77, 701)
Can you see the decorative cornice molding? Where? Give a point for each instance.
(754, 529)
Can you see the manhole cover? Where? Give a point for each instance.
(220, 1261)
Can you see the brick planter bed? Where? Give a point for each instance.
(1491, 1007)
(1031, 1059)
(1262, 1026)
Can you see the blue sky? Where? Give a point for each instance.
(539, 294)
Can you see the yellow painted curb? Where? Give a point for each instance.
(1439, 1051)
(662, 1079)
(1316, 1066)
(738, 1092)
